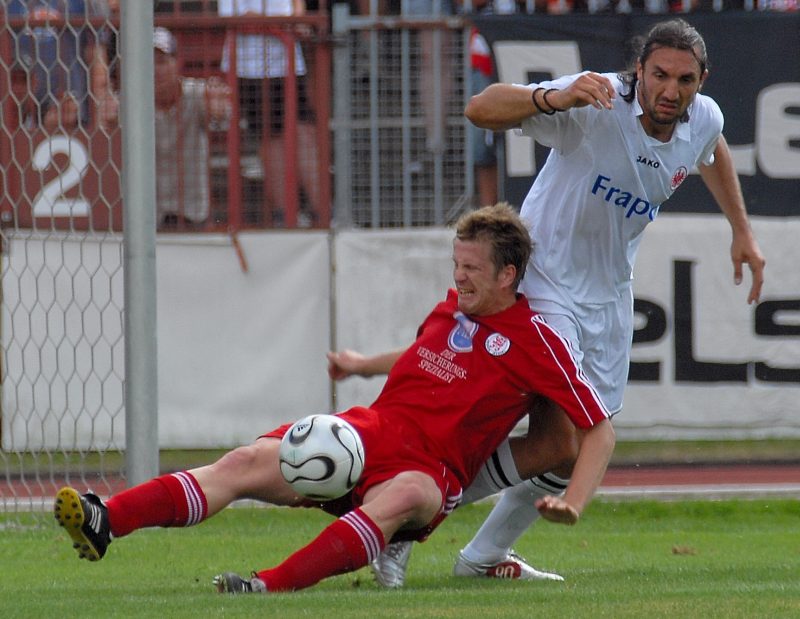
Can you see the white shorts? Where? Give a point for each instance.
(600, 336)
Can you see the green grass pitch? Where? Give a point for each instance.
(634, 559)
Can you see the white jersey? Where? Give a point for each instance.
(604, 180)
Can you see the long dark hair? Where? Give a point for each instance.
(675, 34)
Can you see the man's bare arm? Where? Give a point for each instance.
(723, 182)
(504, 106)
(351, 363)
(590, 467)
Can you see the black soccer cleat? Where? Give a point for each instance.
(229, 582)
(86, 520)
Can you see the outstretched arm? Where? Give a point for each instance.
(595, 452)
(722, 181)
(349, 363)
(503, 106)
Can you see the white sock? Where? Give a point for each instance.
(498, 473)
(514, 513)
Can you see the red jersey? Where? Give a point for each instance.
(465, 382)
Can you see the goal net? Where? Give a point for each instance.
(61, 270)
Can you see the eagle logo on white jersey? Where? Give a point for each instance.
(680, 175)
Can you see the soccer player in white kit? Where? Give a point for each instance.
(621, 145)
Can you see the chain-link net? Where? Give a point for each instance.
(408, 144)
(62, 279)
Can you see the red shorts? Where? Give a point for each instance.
(389, 449)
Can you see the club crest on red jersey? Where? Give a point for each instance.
(460, 338)
(497, 344)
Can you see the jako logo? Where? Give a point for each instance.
(652, 163)
(633, 205)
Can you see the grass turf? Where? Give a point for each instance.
(640, 559)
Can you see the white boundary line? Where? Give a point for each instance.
(677, 492)
(700, 492)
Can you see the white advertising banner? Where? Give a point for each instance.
(240, 352)
(705, 364)
(720, 367)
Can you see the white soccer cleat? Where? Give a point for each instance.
(513, 567)
(390, 566)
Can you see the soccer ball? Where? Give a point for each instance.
(322, 457)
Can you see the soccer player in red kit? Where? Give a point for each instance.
(479, 360)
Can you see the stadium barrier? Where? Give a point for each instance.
(64, 173)
(232, 341)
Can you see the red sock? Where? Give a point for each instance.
(174, 500)
(346, 545)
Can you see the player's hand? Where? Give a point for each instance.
(344, 363)
(744, 249)
(556, 509)
(589, 89)
(108, 110)
(218, 99)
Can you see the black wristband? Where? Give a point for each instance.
(550, 105)
(539, 107)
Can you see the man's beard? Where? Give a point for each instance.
(662, 121)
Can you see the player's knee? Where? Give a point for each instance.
(241, 460)
(418, 494)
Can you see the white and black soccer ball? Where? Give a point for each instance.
(322, 457)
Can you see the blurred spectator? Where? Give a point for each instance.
(21, 93)
(559, 7)
(261, 69)
(110, 39)
(184, 108)
(681, 6)
(483, 144)
(484, 149)
(104, 76)
(62, 116)
(61, 50)
(778, 5)
(434, 46)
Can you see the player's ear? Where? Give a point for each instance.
(507, 275)
(702, 80)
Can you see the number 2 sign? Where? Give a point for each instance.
(62, 181)
(51, 200)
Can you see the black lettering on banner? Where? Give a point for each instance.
(687, 368)
(769, 374)
(767, 323)
(655, 326)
